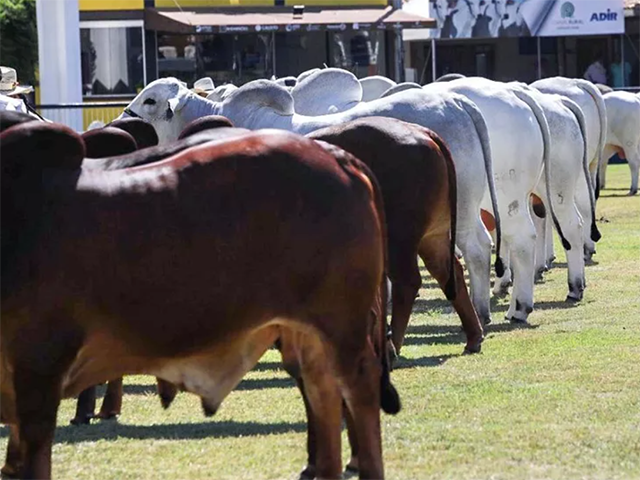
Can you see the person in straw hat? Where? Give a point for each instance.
(13, 95)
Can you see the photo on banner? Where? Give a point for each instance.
(520, 18)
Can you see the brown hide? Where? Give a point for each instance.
(186, 269)
(141, 130)
(108, 142)
(417, 180)
(205, 123)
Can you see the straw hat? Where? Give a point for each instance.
(203, 86)
(9, 82)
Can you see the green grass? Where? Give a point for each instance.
(559, 400)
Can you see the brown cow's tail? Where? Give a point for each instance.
(389, 398)
(450, 288)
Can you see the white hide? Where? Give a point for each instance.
(373, 87)
(221, 92)
(262, 104)
(330, 90)
(517, 135)
(591, 102)
(568, 169)
(623, 133)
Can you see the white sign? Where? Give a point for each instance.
(522, 18)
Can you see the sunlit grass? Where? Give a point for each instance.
(559, 400)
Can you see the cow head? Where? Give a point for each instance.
(162, 103)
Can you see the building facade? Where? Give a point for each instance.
(527, 40)
(125, 44)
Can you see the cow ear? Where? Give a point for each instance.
(41, 145)
(179, 101)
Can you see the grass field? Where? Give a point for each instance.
(557, 400)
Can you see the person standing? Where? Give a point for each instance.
(596, 72)
(13, 96)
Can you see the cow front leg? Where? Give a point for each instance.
(112, 403)
(85, 407)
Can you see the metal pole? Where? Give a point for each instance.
(433, 59)
(624, 84)
(539, 59)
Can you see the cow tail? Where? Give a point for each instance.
(595, 94)
(544, 128)
(575, 109)
(483, 134)
(389, 398)
(450, 288)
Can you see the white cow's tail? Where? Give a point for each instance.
(546, 136)
(575, 109)
(483, 134)
(595, 94)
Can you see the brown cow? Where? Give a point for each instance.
(107, 142)
(187, 269)
(142, 131)
(417, 178)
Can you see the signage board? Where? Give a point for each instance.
(520, 18)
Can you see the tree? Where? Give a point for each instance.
(19, 38)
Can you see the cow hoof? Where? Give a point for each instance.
(518, 321)
(632, 192)
(572, 299)
(550, 261)
(9, 471)
(309, 473)
(540, 274)
(81, 420)
(350, 471)
(486, 320)
(472, 349)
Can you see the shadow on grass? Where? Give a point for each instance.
(403, 362)
(261, 383)
(556, 305)
(113, 431)
(267, 366)
(135, 389)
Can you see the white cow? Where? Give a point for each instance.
(521, 147)
(569, 167)
(457, 120)
(591, 102)
(221, 92)
(623, 134)
(336, 86)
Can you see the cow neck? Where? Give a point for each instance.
(199, 107)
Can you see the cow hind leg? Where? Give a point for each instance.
(584, 207)
(435, 253)
(520, 234)
(13, 463)
(360, 380)
(112, 402)
(502, 284)
(475, 245)
(634, 165)
(541, 248)
(406, 281)
(321, 391)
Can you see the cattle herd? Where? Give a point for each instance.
(196, 231)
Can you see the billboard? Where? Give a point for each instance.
(522, 18)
